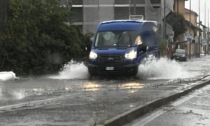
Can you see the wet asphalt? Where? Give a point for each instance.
(40, 101)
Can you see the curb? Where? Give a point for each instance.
(137, 112)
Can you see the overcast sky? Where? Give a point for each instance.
(195, 7)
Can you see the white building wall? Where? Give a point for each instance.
(95, 11)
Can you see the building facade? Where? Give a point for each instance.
(88, 13)
(191, 35)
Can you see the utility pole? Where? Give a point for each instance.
(190, 32)
(164, 22)
(205, 32)
(199, 43)
(177, 6)
(165, 52)
(208, 34)
(134, 7)
(99, 11)
(129, 8)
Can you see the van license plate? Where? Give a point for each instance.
(109, 68)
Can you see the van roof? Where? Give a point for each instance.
(133, 25)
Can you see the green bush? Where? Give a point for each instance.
(37, 40)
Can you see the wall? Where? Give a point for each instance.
(179, 6)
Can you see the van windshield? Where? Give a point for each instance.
(115, 39)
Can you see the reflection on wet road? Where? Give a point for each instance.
(71, 97)
(23, 88)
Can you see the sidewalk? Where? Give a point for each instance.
(171, 93)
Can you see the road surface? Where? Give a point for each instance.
(70, 98)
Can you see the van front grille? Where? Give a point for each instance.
(110, 60)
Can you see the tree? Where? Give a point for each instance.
(37, 38)
(3, 17)
(177, 21)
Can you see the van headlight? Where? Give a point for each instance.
(131, 54)
(93, 55)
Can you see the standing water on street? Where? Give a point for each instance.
(157, 69)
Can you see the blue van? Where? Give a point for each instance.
(119, 46)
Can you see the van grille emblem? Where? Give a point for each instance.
(110, 58)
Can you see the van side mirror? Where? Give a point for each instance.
(92, 39)
(143, 48)
(89, 38)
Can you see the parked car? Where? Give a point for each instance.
(180, 55)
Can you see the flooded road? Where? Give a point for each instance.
(72, 98)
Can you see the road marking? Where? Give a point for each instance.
(149, 118)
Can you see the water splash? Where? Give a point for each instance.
(1, 92)
(73, 70)
(18, 94)
(156, 69)
(7, 75)
(163, 69)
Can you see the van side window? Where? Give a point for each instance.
(138, 40)
(149, 38)
(149, 34)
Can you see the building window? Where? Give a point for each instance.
(121, 1)
(139, 11)
(76, 14)
(137, 1)
(155, 1)
(73, 2)
(156, 6)
(76, 2)
(121, 13)
(129, 1)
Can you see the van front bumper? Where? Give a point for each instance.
(125, 69)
